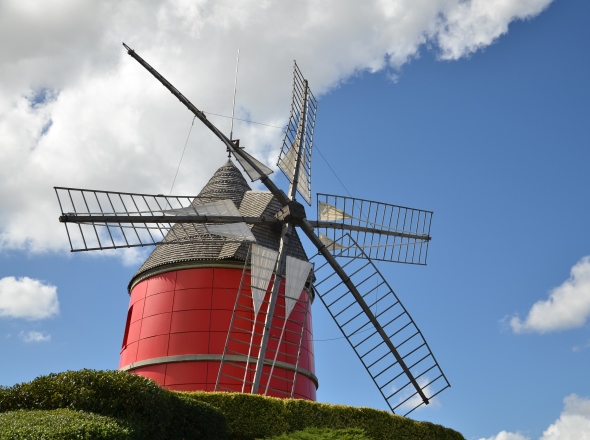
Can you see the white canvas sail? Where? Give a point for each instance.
(220, 207)
(287, 164)
(330, 244)
(297, 274)
(331, 213)
(252, 173)
(263, 264)
(238, 231)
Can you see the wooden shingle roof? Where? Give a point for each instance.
(227, 183)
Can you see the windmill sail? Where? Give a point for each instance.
(297, 274)
(380, 231)
(263, 264)
(408, 376)
(98, 220)
(298, 140)
(253, 173)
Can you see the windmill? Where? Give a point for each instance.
(276, 286)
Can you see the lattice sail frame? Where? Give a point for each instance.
(387, 373)
(100, 235)
(375, 221)
(303, 105)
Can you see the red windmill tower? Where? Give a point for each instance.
(183, 299)
(223, 302)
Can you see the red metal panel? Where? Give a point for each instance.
(190, 321)
(226, 279)
(186, 372)
(304, 359)
(155, 325)
(277, 382)
(311, 363)
(220, 319)
(138, 292)
(158, 303)
(223, 299)
(212, 372)
(217, 342)
(133, 334)
(312, 390)
(194, 279)
(273, 342)
(191, 299)
(161, 283)
(128, 354)
(154, 347)
(154, 372)
(188, 343)
(290, 349)
(245, 319)
(302, 387)
(137, 312)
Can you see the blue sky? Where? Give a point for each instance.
(486, 128)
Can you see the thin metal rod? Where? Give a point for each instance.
(233, 107)
(344, 226)
(166, 219)
(279, 194)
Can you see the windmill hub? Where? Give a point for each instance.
(293, 212)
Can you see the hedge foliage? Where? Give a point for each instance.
(152, 411)
(119, 405)
(325, 434)
(63, 424)
(252, 416)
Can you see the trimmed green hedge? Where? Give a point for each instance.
(133, 407)
(248, 416)
(152, 411)
(325, 434)
(252, 416)
(63, 424)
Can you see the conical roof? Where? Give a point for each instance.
(226, 183)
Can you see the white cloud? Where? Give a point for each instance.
(572, 424)
(27, 298)
(568, 305)
(574, 421)
(504, 435)
(471, 25)
(77, 111)
(35, 336)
